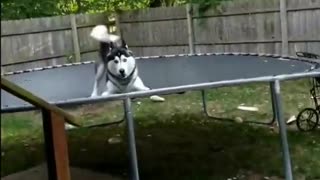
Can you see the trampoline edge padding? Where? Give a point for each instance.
(75, 81)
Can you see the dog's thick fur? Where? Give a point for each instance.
(117, 64)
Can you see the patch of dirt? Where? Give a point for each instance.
(40, 173)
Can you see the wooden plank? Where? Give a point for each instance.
(303, 46)
(34, 100)
(303, 3)
(157, 51)
(87, 20)
(86, 42)
(56, 146)
(239, 29)
(149, 33)
(153, 14)
(90, 56)
(75, 38)
(284, 27)
(27, 26)
(24, 48)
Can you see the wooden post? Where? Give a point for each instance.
(284, 27)
(75, 40)
(56, 146)
(2, 70)
(189, 10)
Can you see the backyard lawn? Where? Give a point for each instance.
(175, 140)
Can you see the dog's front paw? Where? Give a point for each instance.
(93, 95)
(106, 93)
(156, 98)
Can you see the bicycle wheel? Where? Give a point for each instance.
(307, 119)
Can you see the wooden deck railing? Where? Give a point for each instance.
(54, 118)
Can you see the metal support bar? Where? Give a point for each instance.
(56, 146)
(273, 99)
(131, 139)
(282, 128)
(205, 109)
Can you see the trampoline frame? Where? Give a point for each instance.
(274, 82)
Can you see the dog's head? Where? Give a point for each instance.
(120, 60)
(114, 52)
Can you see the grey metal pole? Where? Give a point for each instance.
(275, 86)
(131, 139)
(204, 102)
(273, 99)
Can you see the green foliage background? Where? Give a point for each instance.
(23, 9)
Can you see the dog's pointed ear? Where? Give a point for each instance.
(111, 45)
(104, 50)
(124, 44)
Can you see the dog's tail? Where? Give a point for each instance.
(100, 33)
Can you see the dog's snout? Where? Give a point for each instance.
(121, 71)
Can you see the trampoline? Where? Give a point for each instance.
(71, 84)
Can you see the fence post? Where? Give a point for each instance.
(75, 40)
(189, 10)
(284, 27)
(117, 23)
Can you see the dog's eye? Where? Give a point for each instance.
(116, 61)
(124, 60)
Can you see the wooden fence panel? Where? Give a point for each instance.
(27, 26)
(242, 28)
(304, 31)
(297, 4)
(153, 14)
(160, 33)
(33, 47)
(40, 42)
(157, 51)
(236, 25)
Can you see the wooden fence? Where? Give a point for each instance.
(39, 42)
(263, 26)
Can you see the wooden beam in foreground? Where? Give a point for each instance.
(34, 100)
(56, 146)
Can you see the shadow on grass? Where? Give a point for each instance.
(192, 147)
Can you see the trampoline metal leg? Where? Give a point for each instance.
(205, 110)
(273, 99)
(131, 139)
(282, 128)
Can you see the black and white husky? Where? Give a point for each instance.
(117, 64)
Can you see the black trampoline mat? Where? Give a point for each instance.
(71, 82)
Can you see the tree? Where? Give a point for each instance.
(21, 9)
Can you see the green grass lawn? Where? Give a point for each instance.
(175, 140)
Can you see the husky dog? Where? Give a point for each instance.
(117, 64)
